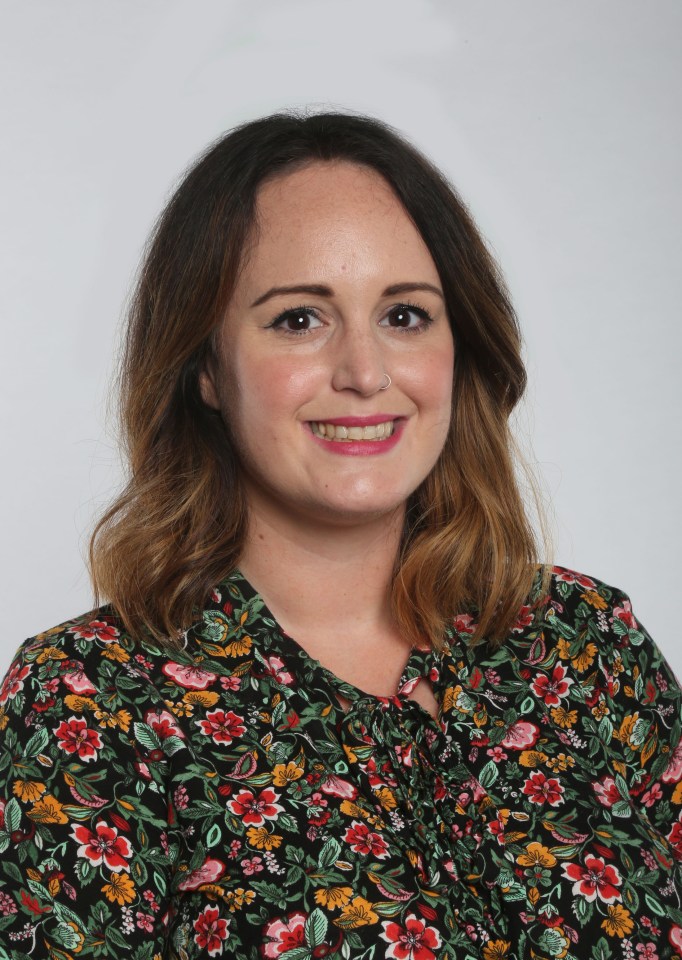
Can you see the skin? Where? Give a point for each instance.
(338, 230)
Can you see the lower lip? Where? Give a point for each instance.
(361, 448)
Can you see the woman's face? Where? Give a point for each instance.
(339, 289)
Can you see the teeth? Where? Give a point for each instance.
(381, 431)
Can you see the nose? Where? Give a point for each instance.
(359, 363)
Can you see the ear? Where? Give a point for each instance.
(208, 385)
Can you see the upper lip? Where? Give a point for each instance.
(370, 421)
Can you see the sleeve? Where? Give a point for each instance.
(645, 720)
(84, 869)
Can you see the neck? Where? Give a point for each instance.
(328, 581)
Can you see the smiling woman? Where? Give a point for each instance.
(462, 753)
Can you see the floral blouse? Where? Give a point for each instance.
(218, 801)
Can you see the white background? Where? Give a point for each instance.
(560, 125)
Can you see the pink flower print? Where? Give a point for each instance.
(497, 753)
(253, 810)
(607, 791)
(104, 845)
(189, 676)
(276, 668)
(254, 865)
(551, 690)
(75, 680)
(523, 620)
(211, 931)
(74, 736)
(673, 772)
(625, 615)
(464, 623)
(210, 871)
(521, 735)
(163, 723)
(283, 934)
(595, 879)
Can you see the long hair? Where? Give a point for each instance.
(178, 527)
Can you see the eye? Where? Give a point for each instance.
(408, 317)
(298, 320)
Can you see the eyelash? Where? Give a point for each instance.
(425, 316)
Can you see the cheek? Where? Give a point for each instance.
(270, 391)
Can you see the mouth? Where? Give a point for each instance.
(341, 433)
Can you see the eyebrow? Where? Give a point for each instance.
(320, 290)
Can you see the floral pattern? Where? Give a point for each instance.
(233, 798)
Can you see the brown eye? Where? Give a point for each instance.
(406, 317)
(300, 320)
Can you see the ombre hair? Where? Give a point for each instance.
(178, 527)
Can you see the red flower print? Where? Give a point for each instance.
(414, 941)
(209, 871)
(211, 931)
(363, 840)
(675, 937)
(95, 630)
(255, 811)
(521, 735)
(541, 789)
(523, 620)
(607, 791)
(275, 667)
(222, 727)
(283, 934)
(75, 737)
(464, 623)
(595, 879)
(624, 614)
(552, 689)
(675, 837)
(570, 576)
(103, 846)
(163, 723)
(76, 681)
(13, 683)
(189, 676)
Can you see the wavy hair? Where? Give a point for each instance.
(177, 528)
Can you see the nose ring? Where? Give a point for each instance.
(388, 382)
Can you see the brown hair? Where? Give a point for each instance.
(178, 527)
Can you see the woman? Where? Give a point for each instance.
(334, 707)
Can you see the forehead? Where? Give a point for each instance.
(333, 217)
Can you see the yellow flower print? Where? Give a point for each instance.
(259, 838)
(333, 897)
(350, 754)
(201, 698)
(239, 648)
(585, 658)
(536, 855)
(78, 704)
(28, 790)
(236, 899)
(626, 728)
(284, 773)
(496, 949)
(123, 720)
(357, 913)
(600, 710)
(563, 717)
(114, 651)
(677, 794)
(562, 648)
(617, 666)
(619, 922)
(386, 798)
(180, 709)
(594, 599)
(531, 758)
(50, 653)
(47, 810)
(561, 762)
(120, 889)
(105, 718)
(4, 719)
